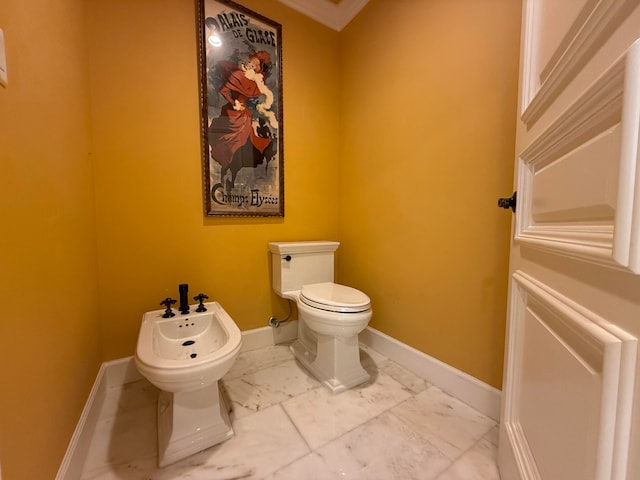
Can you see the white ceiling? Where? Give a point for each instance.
(333, 14)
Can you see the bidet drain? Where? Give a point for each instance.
(188, 342)
(193, 355)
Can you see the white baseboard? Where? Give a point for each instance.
(479, 395)
(114, 373)
(73, 461)
(268, 336)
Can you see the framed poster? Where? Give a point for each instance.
(241, 110)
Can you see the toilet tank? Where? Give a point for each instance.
(296, 264)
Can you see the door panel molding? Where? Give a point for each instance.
(551, 335)
(597, 217)
(591, 28)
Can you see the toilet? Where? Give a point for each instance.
(330, 315)
(185, 355)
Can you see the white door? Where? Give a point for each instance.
(571, 393)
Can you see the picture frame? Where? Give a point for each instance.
(240, 67)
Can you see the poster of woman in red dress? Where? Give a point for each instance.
(241, 94)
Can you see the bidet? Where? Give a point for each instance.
(185, 356)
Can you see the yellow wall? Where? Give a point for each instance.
(146, 149)
(428, 105)
(49, 342)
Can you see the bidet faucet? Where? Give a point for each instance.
(167, 302)
(183, 288)
(200, 298)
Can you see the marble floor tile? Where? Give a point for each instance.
(380, 449)
(372, 361)
(493, 435)
(404, 376)
(449, 424)
(262, 443)
(128, 414)
(128, 397)
(309, 467)
(273, 384)
(368, 356)
(321, 416)
(254, 360)
(478, 463)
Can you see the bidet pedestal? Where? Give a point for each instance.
(189, 422)
(336, 362)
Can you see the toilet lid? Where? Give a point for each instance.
(334, 298)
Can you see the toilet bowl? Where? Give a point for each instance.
(330, 315)
(185, 356)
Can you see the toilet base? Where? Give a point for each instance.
(189, 422)
(336, 362)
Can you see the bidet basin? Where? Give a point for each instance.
(187, 337)
(187, 352)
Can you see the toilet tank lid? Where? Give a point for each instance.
(290, 248)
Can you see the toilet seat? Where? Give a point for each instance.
(334, 297)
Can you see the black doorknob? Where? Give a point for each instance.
(509, 202)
